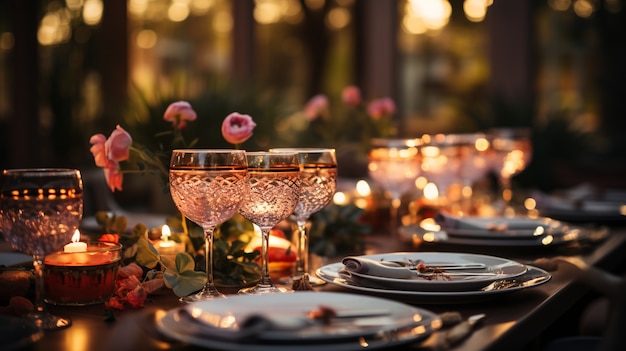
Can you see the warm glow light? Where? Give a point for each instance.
(266, 12)
(421, 182)
(363, 188)
(146, 39)
(74, 5)
(560, 5)
(340, 198)
(430, 224)
(223, 22)
(622, 210)
(137, 7)
(475, 10)
(92, 12)
(201, 7)
(583, 8)
(530, 203)
(338, 18)
(481, 144)
(431, 192)
(178, 11)
(435, 14)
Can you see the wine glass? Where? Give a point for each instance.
(208, 186)
(511, 152)
(318, 176)
(395, 165)
(40, 209)
(274, 193)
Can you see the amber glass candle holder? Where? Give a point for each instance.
(82, 278)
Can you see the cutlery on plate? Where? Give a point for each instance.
(412, 265)
(462, 330)
(256, 324)
(457, 274)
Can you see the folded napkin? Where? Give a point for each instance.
(367, 266)
(249, 329)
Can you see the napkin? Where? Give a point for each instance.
(249, 329)
(368, 266)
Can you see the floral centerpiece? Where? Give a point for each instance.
(354, 120)
(145, 270)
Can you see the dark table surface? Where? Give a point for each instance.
(512, 320)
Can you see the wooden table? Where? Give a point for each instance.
(513, 321)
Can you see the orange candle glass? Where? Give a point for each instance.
(82, 278)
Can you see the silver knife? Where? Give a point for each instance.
(462, 330)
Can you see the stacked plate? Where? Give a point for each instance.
(432, 277)
(287, 322)
(503, 231)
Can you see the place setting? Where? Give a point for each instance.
(502, 231)
(432, 277)
(298, 321)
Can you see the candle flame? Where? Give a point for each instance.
(165, 232)
(76, 236)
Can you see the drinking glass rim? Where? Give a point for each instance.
(301, 149)
(35, 171)
(209, 150)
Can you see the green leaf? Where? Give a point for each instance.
(147, 255)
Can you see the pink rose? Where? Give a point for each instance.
(379, 108)
(118, 144)
(351, 96)
(237, 128)
(179, 113)
(316, 106)
(109, 152)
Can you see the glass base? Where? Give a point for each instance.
(47, 321)
(313, 281)
(203, 295)
(264, 289)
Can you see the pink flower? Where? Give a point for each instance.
(316, 106)
(136, 297)
(379, 108)
(114, 302)
(131, 269)
(351, 96)
(179, 113)
(237, 128)
(109, 152)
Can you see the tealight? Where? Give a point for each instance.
(82, 278)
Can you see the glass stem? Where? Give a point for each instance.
(40, 305)
(507, 195)
(302, 247)
(265, 281)
(209, 286)
(393, 215)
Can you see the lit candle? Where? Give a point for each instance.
(165, 234)
(76, 245)
(165, 246)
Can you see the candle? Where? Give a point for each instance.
(82, 278)
(76, 245)
(166, 246)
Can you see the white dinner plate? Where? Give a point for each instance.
(217, 320)
(532, 278)
(504, 228)
(495, 268)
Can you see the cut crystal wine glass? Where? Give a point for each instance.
(318, 175)
(274, 193)
(208, 186)
(40, 211)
